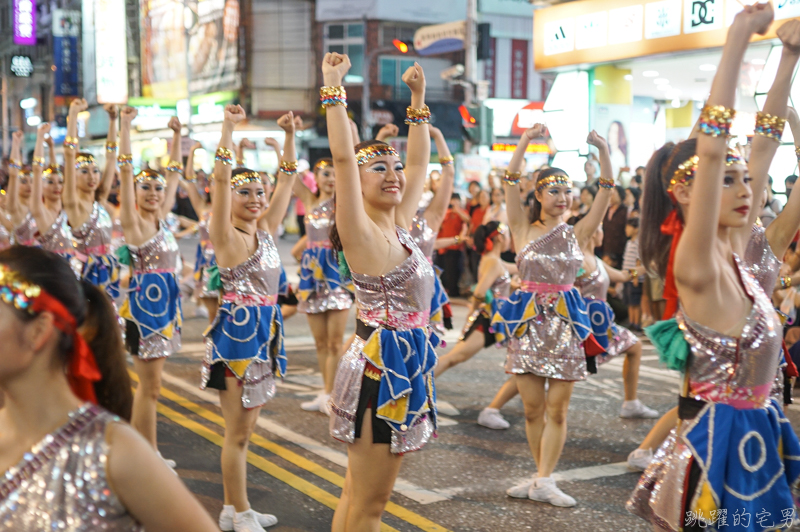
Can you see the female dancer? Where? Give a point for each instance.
(545, 324)
(64, 458)
(383, 395)
(152, 309)
(45, 205)
(91, 225)
(19, 195)
(725, 404)
(244, 344)
(494, 285)
(322, 294)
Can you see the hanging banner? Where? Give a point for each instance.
(440, 38)
(24, 22)
(66, 28)
(212, 53)
(519, 68)
(490, 67)
(111, 52)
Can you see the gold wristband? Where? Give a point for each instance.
(39, 161)
(125, 159)
(444, 161)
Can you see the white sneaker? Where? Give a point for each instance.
(545, 490)
(446, 409)
(636, 409)
(315, 404)
(324, 406)
(250, 521)
(639, 459)
(200, 311)
(520, 491)
(227, 513)
(491, 418)
(170, 463)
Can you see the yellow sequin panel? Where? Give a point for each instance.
(395, 410)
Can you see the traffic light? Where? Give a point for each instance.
(477, 123)
(484, 41)
(402, 46)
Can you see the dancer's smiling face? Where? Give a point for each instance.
(88, 178)
(326, 179)
(24, 185)
(248, 201)
(53, 186)
(555, 200)
(383, 181)
(150, 195)
(736, 199)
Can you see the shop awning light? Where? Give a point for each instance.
(650, 74)
(664, 88)
(628, 77)
(661, 81)
(676, 103)
(708, 67)
(597, 82)
(28, 103)
(34, 120)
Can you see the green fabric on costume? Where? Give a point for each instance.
(214, 282)
(344, 268)
(673, 350)
(124, 255)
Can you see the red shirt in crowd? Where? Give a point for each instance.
(451, 226)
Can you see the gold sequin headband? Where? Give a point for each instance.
(15, 290)
(243, 178)
(558, 180)
(686, 170)
(364, 155)
(322, 163)
(150, 175)
(51, 171)
(83, 159)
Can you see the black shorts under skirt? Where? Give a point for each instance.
(132, 338)
(481, 325)
(381, 431)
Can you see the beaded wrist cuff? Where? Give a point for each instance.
(332, 96)
(224, 155)
(716, 120)
(289, 167)
(512, 178)
(770, 126)
(417, 117)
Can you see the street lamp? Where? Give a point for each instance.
(366, 118)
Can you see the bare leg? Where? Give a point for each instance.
(630, 370)
(145, 399)
(337, 321)
(660, 430)
(287, 311)
(506, 393)
(340, 515)
(531, 389)
(555, 429)
(319, 329)
(212, 304)
(463, 351)
(372, 470)
(239, 424)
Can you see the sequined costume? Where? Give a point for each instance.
(25, 233)
(481, 318)
(246, 336)
(153, 302)
(544, 323)
(5, 238)
(94, 249)
(58, 238)
(425, 238)
(734, 451)
(205, 261)
(62, 484)
(614, 339)
(389, 365)
(321, 288)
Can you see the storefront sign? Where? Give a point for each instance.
(490, 67)
(598, 31)
(505, 7)
(66, 28)
(25, 22)
(440, 38)
(532, 148)
(111, 53)
(519, 68)
(21, 66)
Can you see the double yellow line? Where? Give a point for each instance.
(285, 476)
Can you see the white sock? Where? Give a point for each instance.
(630, 403)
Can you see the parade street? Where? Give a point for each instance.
(457, 482)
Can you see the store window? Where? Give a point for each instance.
(390, 72)
(347, 38)
(401, 32)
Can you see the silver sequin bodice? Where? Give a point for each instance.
(160, 253)
(762, 262)
(94, 237)
(422, 234)
(318, 223)
(58, 238)
(737, 371)
(61, 483)
(555, 258)
(400, 299)
(25, 233)
(595, 285)
(501, 287)
(259, 276)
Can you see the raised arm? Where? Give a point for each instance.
(110, 168)
(356, 227)
(419, 149)
(13, 206)
(695, 267)
(517, 220)
(174, 168)
(220, 227)
(434, 214)
(588, 225)
(783, 228)
(386, 132)
(128, 214)
(286, 177)
(51, 150)
(44, 218)
(354, 132)
(69, 196)
(188, 184)
(765, 143)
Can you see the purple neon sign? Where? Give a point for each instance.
(25, 22)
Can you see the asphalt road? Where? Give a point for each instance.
(456, 483)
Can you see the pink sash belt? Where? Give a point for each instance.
(544, 288)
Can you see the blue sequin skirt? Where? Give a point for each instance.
(153, 303)
(321, 287)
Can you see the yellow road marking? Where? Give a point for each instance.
(278, 472)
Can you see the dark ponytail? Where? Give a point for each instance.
(482, 234)
(535, 213)
(656, 203)
(94, 314)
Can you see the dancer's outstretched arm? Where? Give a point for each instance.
(588, 225)
(283, 190)
(110, 169)
(13, 206)
(418, 153)
(517, 220)
(44, 218)
(69, 196)
(188, 184)
(173, 170)
(435, 212)
(783, 228)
